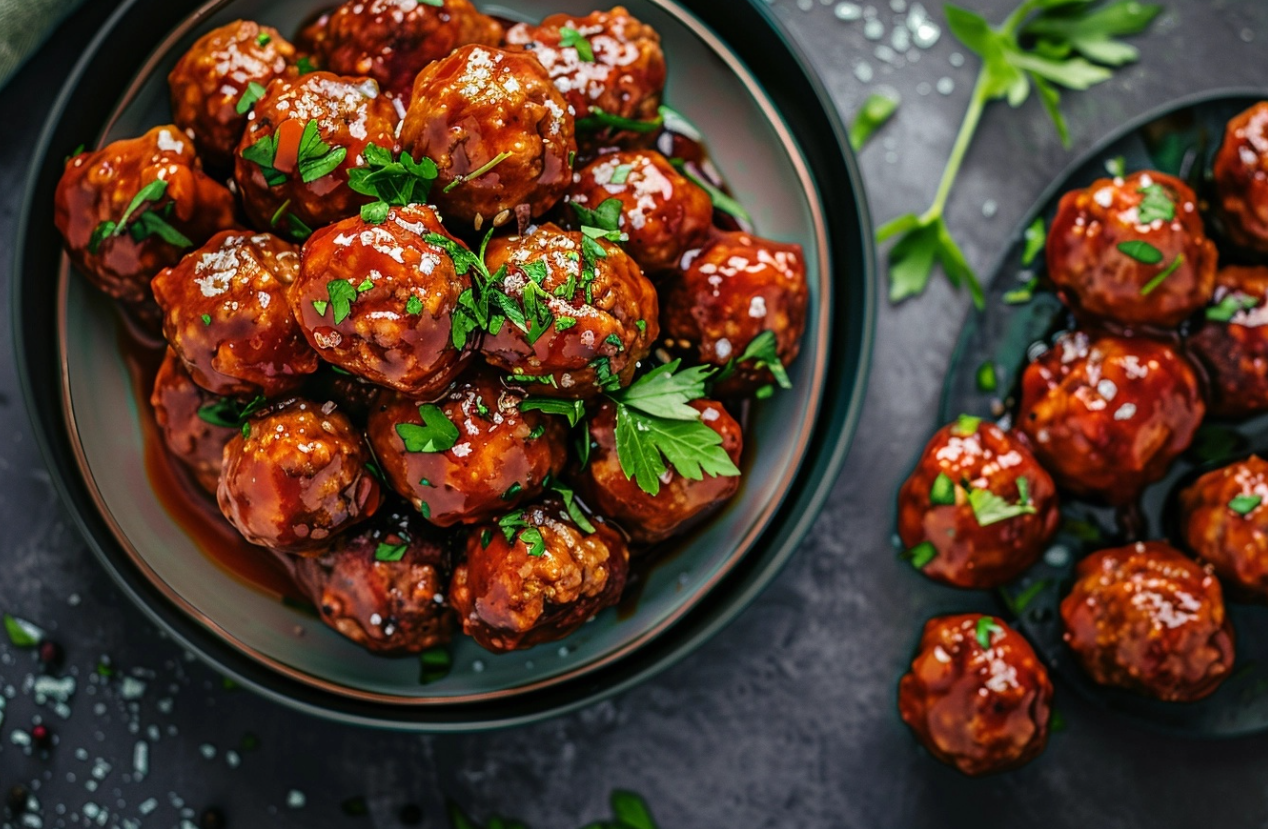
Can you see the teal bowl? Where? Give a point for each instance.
(774, 135)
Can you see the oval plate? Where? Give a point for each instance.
(87, 420)
(1180, 138)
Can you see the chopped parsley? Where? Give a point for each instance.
(722, 201)
(437, 433)
(874, 114)
(921, 555)
(342, 295)
(1141, 251)
(305, 65)
(512, 491)
(263, 39)
(1161, 277)
(599, 120)
(570, 503)
(564, 323)
(614, 341)
(1245, 504)
(1156, 206)
(250, 95)
(22, 634)
(479, 171)
(149, 222)
(574, 410)
(942, 493)
(1017, 604)
(985, 631)
(413, 306)
(987, 379)
(392, 182)
(314, 157)
(320, 306)
(229, 413)
(1022, 295)
(391, 552)
(434, 664)
(1036, 237)
(621, 174)
(570, 38)
(1230, 306)
(989, 508)
(206, 319)
(966, 426)
(514, 526)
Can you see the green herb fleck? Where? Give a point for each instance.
(342, 295)
(390, 552)
(874, 114)
(22, 634)
(921, 554)
(1141, 251)
(1036, 237)
(436, 434)
(1245, 504)
(1230, 306)
(434, 665)
(1152, 284)
(942, 493)
(570, 38)
(987, 380)
(253, 93)
(414, 306)
(985, 631)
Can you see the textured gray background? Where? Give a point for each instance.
(785, 719)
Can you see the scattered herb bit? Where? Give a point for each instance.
(479, 171)
(1245, 504)
(485, 537)
(1141, 251)
(375, 212)
(985, 631)
(414, 306)
(574, 410)
(763, 351)
(1116, 167)
(424, 509)
(537, 432)
(1036, 238)
(966, 426)
(1082, 530)
(229, 413)
(393, 182)
(317, 158)
(434, 665)
(641, 325)
(921, 554)
(149, 222)
(513, 525)
(1022, 295)
(250, 95)
(987, 380)
(1156, 206)
(665, 391)
(873, 115)
(570, 38)
(206, 319)
(722, 201)
(436, 434)
(989, 508)
(246, 430)
(614, 340)
(342, 295)
(320, 306)
(512, 491)
(574, 509)
(942, 493)
(621, 174)
(262, 153)
(305, 65)
(1230, 306)
(391, 552)
(22, 634)
(765, 392)
(1074, 46)
(263, 38)
(1023, 490)
(599, 120)
(105, 668)
(606, 217)
(1018, 604)
(631, 811)
(564, 323)
(1161, 277)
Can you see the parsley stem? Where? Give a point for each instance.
(972, 117)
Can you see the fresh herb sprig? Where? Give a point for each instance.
(391, 182)
(148, 222)
(1042, 45)
(314, 157)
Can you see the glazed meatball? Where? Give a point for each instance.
(977, 697)
(1232, 345)
(192, 440)
(1132, 250)
(392, 40)
(1241, 178)
(378, 300)
(225, 313)
(121, 250)
(730, 292)
(597, 317)
(536, 577)
(382, 586)
(295, 476)
(500, 134)
(470, 456)
(1145, 618)
(293, 176)
(606, 61)
(1107, 416)
(981, 503)
(681, 501)
(1224, 521)
(662, 212)
(209, 81)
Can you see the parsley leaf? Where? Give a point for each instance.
(250, 95)
(763, 350)
(1152, 284)
(391, 552)
(690, 446)
(436, 434)
(228, 412)
(921, 554)
(989, 508)
(571, 38)
(22, 634)
(262, 153)
(604, 219)
(1230, 306)
(873, 115)
(413, 306)
(1245, 504)
(942, 493)
(665, 391)
(513, 525)
(148, 222)
(434, 664)
(479, 171)
(574, 510)
(1036, 238)
(722, 201)
(1141, 251)
(392, 182)
(316, 157)
(574, 410)
(1156, 206)
(985, 630)
(342, 295)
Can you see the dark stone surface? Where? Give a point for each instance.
(787, 718)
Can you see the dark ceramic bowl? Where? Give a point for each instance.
(788, 163)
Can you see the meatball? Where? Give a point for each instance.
(662, 212)
(1107, 416)
(1132, 250)
(1145, 618)
(392, 40)
(302, 137)
(596, 316)
(536, 577)
(295, 476)
(500, 134)
(378, 300)
(680, 502)
(1233, 343)
(209, 81)
(225, 314)
(118, 242)
(470, 456)
(1224, 521)
(382, 586)
(980, 504)
(977, 697)
(605, 62)
(192, 439)
(1241, 178)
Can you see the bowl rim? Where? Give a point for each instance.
(827, 463)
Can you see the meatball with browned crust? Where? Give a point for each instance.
(596, 315)
(662, 212)
(295, 476)
(469, 456)
(535, 577)
(135, 207)
(680, 501)
(225, 313)
(192, 439)
(981, 504)
(977, 696)
(605, 62)
(378, 300)
(1132, 250)
(1241, 178)
(1224, 521)
(1145, 618)
(729, 293)
(382, 585)
(1232, 344)
(393, 40)
(1107, 416)
(500, 134)
(209, 82)
(302, 138)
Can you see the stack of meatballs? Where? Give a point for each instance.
(314, 233)
(1169, 328)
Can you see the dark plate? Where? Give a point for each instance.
(1181, 139)
(105, 76)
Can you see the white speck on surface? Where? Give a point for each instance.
(945, 86)
(989, 208)
(863, 71)
(873, 29)
(208, 751)
(140, 760)
(848, 11)
(956, 60)
(1057, 556)
(295, 799)
(147, 806)
(131, 688)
